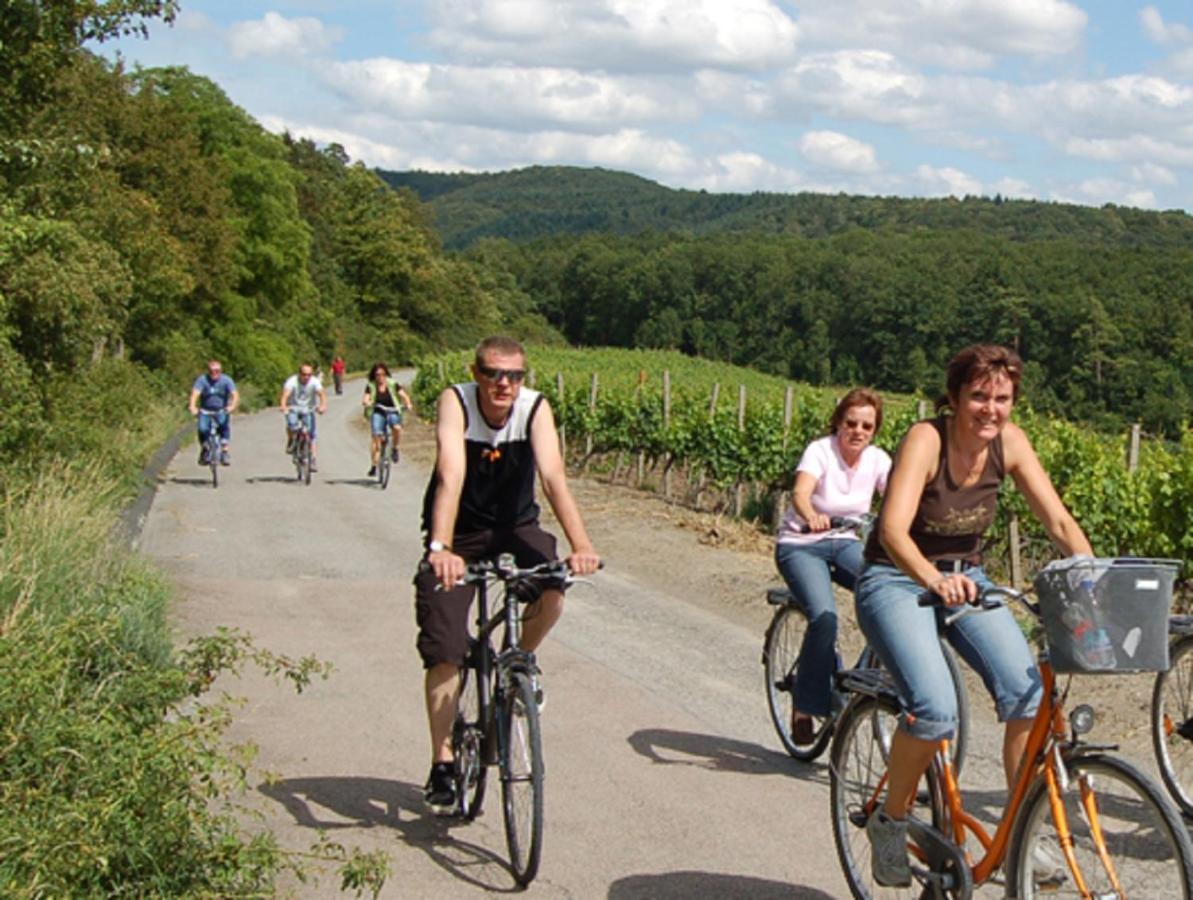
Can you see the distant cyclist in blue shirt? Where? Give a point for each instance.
(214, 394)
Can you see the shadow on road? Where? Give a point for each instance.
(271, 479)
(343, 802)
(368, 482)
(192, 482)
(710, 751)
(686, 885)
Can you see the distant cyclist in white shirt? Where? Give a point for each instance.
(836, 476)
(302, 395)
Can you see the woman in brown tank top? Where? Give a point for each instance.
(939, 502)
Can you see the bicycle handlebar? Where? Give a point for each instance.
(839, 523)
(990, 597)
(505, 569)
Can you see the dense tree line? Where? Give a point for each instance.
(1106, 330)
(145, 218)
(543, 201)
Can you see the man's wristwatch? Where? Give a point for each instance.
(437, 546)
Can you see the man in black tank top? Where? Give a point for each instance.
(492, 435)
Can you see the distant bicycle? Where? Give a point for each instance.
(780, 660)
(1172, 715)
(210, 455)
(300, 449)
(384, 461)
(498, 718)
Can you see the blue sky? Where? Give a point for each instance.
(1067, 100)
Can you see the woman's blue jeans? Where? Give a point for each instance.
(810, 570)
(904, 635)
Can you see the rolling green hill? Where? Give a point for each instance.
(543, 201)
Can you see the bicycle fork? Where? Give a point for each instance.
(1059, 784)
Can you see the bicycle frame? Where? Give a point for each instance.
(1047, 745)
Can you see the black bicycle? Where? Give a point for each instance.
(1172, 715)
(497, 721)
(211, 446)
(300, 447)
(780, 660)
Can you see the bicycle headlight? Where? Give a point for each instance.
(1082, 719)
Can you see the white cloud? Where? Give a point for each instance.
(617, 35)
(276, 36)
(946, 181)
(743, 172)
(1161, 32)
(833, 150)
(958, 34)
(1014, 187)
(508, 97)
(1139, 148)
(1097, 191)
(1150, 173)
(869, 85)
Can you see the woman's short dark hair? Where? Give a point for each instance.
(856, 397)
(378, 366)
(976, 363)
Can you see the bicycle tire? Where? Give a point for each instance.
(383, 466)
(521, 760)
(213, 460)
(1144, 837)
(860, 750)
(1172, 724)
(468, 748)
(780, 653)
(304, 459)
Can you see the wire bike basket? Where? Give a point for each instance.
(1107, 615)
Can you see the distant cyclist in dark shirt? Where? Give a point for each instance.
(214, 394)
(492, 435)
(383, 400)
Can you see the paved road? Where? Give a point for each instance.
(663, 780)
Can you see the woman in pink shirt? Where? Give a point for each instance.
(836, 476)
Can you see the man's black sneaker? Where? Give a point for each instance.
(372, 471)
(440, 791)
(396, 454)
(203, 460)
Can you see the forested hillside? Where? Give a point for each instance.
(844, 290)
(543, 201)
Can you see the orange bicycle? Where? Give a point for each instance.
(1080, 821)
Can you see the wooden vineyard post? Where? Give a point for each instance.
(666, 425)
(921, 409)
(640, 458)
(1016, 560)
(738, 487)
(563, 433)
(780, 503)
(592, 402)
(1133, 448)
(712, 411)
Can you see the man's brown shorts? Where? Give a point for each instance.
(442, 615)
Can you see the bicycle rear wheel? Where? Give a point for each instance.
(1172, 724)
(1144, 839)
(522, 777)
(467, 745)
(780, 656)
(861, 748)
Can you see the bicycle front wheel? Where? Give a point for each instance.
(780, 658)
(1128, 841)
(383, 468)
(861, 749)
(213, 460)
(1172, 724)
(467, 745)
(304, 452)
(522, 777)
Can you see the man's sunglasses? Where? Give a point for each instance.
(515, 376)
